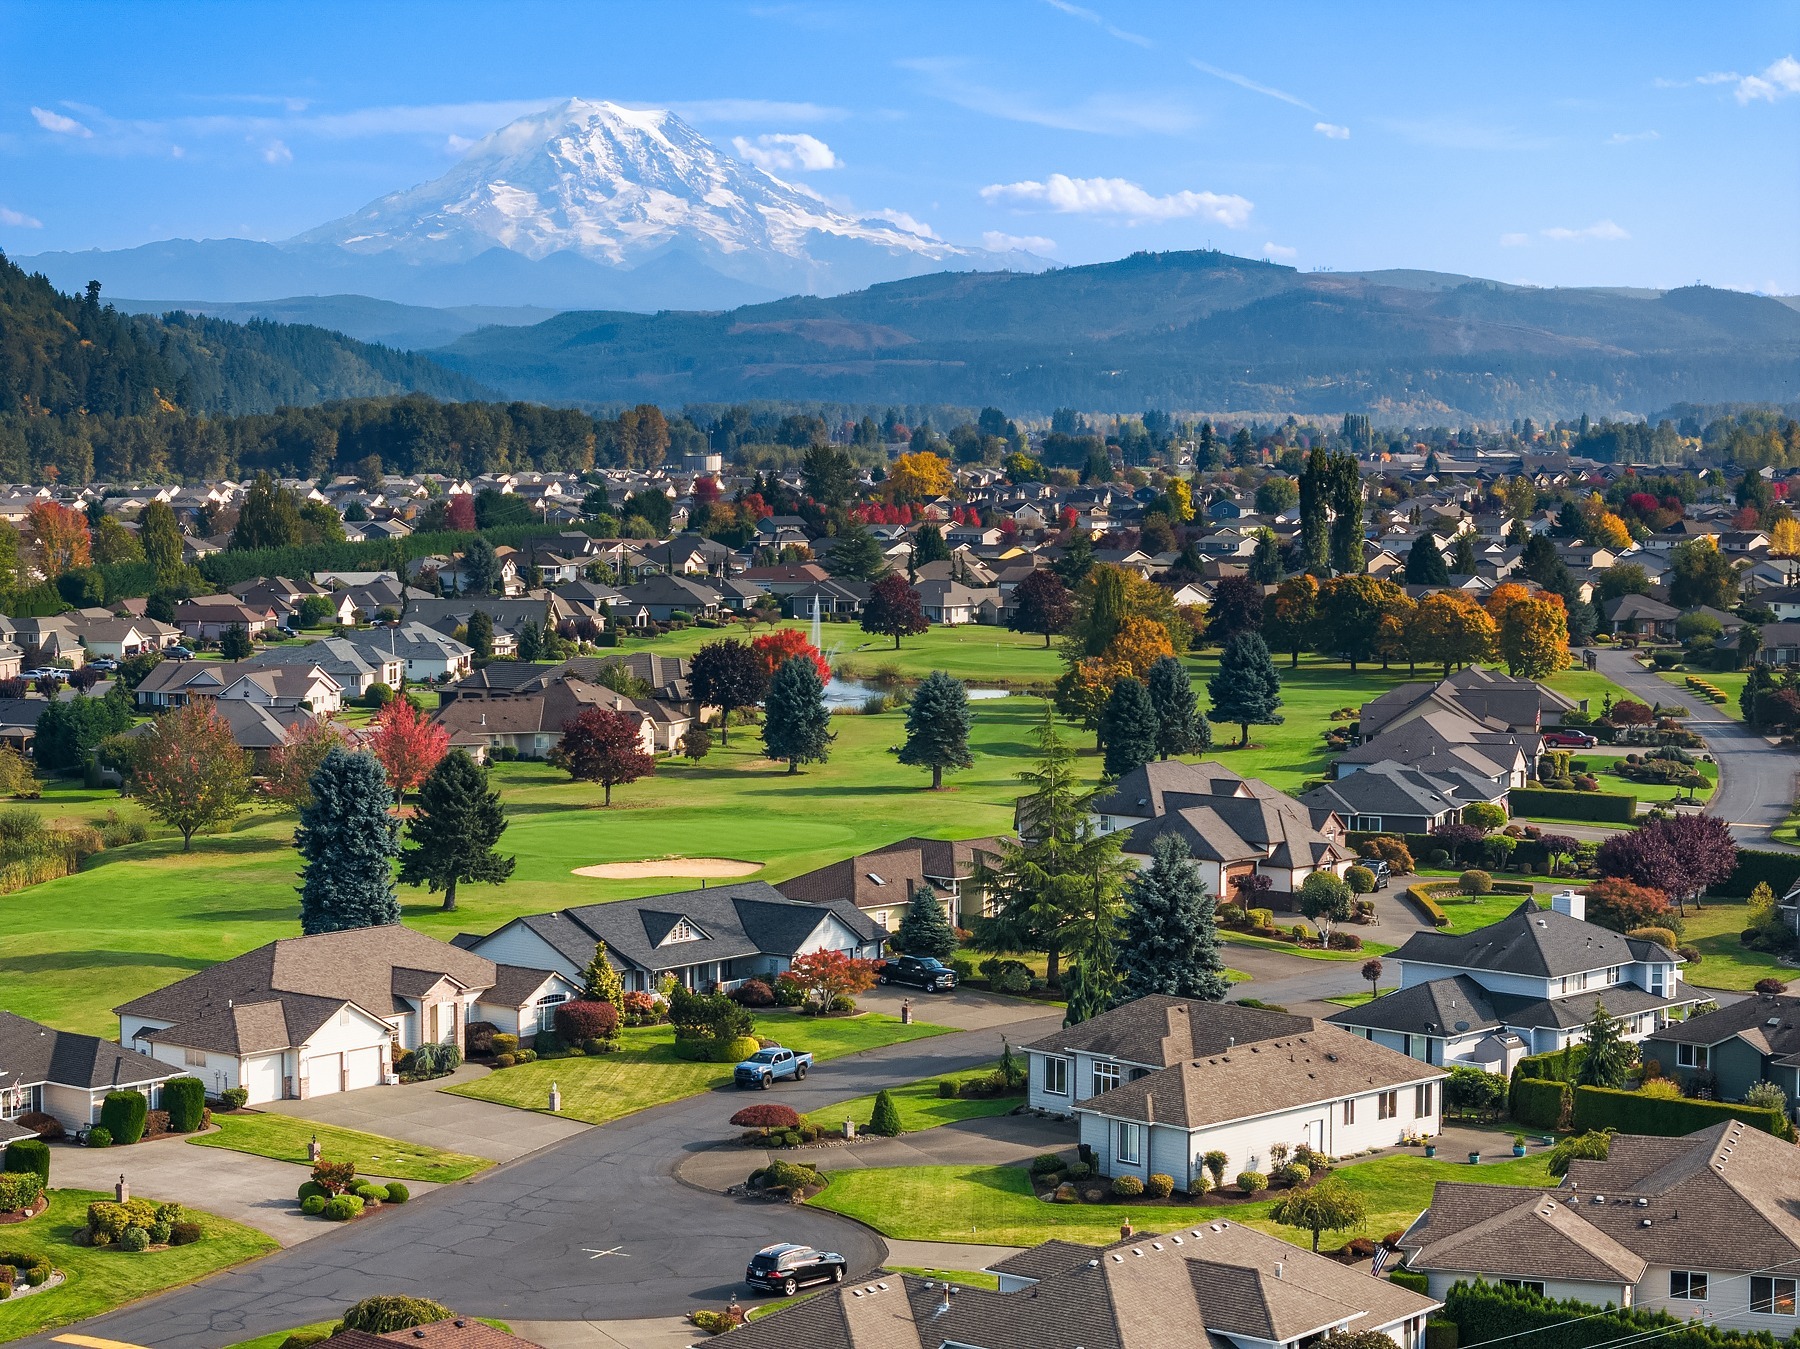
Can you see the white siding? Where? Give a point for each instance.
(72, 1106)
(1727, 1301)
(1437, 1284)
(219, 1072)
(321, 1061)
(516, 944)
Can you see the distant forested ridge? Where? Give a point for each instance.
(1199, 330)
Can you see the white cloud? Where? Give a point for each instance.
(911, 224)
(62, 126)
(19, 220)
(1777, 82)
(456, 145)
(1104, 114)
(276, 152)
(1088, 15)
(1331, 131)
(1245, 82)
(1119, 196)
(1627, 137)
(1514, 240)
(1601, 229)
(1715, 77)
(784, 151)
(1280, 251)
(752, 110)
(996, 242)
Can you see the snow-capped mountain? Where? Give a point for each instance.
(583, 205)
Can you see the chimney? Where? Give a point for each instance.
(1571, 902)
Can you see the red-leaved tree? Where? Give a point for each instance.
(1621, 905)
(63, 541)
(459, 514)
(826, 975)
(1680, 856)
(188, 771)
(893, 610)
(605, 747)
(407, 745)
(775, 649)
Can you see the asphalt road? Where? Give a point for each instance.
(1756, 780)
(594, 1228)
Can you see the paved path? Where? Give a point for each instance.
(595, 1228)
(419, 1112)
(1290, 980)
(1756, 779)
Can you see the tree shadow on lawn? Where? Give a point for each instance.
(800, 788)
(52, 961)
(284, 913)
(205, 846)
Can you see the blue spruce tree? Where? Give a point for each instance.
(349, 841)
(1170, 944)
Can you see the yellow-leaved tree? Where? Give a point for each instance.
(919, 476)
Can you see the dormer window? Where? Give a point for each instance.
(682, 931)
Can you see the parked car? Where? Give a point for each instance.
(179, 653)
(783, 1268)
(1569, 740)
(766, 1066)
(920, 971)
(1379, 868)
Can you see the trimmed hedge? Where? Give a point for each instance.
(1536, 1103)
(1630, 1113)
(1485, 1312)
(124, 1113)
(1421, 895)
(185, 1100)
(1779, 870)
(1559, 1065)
(1408, 1278)
(1602, 807)
(28, 1154)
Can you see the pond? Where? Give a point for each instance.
(843, 693)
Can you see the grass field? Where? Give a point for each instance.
(996, 1204)
(1467, 914)
(1647, 791)
(1731, 681)
(646, 1072)
(1725, 961)
(101, 1278)
(920, 1105)
(1369, 948)
(285, 1139)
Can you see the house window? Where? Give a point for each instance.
(1406, 1045)
(1529, 1285)
(1350, 1111)
(1772, 1297)
(1687, 1284)
(682, 931)
(1367, 824)
(1562, 985)
(546, 1009)
(194, 1058)
(1056, 1075)
(1106, 1077)
(1581, 980)
(880, 916)
(1131, 1144)
(1422, 1102)
(1386, 1104)
(1657, 980)
(1612, 974)
(1691, 1056)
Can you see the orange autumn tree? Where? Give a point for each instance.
(920, 476)
(63, 541)
(407, 745)
(1138, 644)
(775, 649)
(1450, 628)
(1532, 631)
(825, 976)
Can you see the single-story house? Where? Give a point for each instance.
(310, 1016)
(881, 883)
(356, 669)
(54, 1072)
(177, 683)
(428, 654)
(718, 936)
(1639, 616)
(210, 617)
(1161, 1081)
(949, 603)
(1732, 1049)
(1395, 798)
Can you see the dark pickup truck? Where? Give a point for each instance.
(920, 971)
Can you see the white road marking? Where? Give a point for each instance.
(619, 1251)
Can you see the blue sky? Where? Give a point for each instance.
(1651, 144)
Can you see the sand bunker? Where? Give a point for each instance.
(709, 868)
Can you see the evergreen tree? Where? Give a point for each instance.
(1170, 944)
(1247, 688)
(1180, 729)
(349, 841)
(1266, 564)
(856, 556)
(1128, 728)
(1347, 519)
(796, 724)
(1077, 559)
(600, 982)
(1315, 504)
(456, 822)
(885, 1118)
(1463, 563)
(1425, 564)
(1610, 1055)
(480, 633)
(937, 727)
(929, 546)
(926, 930)
(234, 643)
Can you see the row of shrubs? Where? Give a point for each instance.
(137, 1225)
(335, 1194)
(34, 1269)
(791, 1180)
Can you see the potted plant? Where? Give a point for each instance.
(1518, 1145)
(1430, 1148)
(1475, 1158)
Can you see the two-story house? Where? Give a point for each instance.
(1528, 984)
(1161, 1081)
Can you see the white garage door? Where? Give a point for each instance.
(327, 1074)
(362, 1068)
(262, 1078)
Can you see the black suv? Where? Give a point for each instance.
(1376, 866)
(920, 971)
(784, 1267)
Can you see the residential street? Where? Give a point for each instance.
(1756, 780)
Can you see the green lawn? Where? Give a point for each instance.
(105, 1277)
(278, 1338)
(920, 1105)
(285, 1139)
(995, 1204)
(1369, 948)
(1725, 961)
(1646, 791)
(646, 1072)
(1467, 914)
(1730, 681)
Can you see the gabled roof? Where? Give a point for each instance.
(1161, 1029)
(1540, 943)
(1144, 791)
(1445, 1007)
(31, 1052)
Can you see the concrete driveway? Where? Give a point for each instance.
(419, 1112)
(964, 1008)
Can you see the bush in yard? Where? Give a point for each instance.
(234, 1098)
(478, 1039)
(343, 1208)
(433, 1059)
(392, 1311)
(1393, 851)
(1250, 1182)
(714, 1323)
(791, 1178)
(185, 1100)
(313, 1205)
(305, 1339)
(502, 1043)
(1047, 1164)
(1475, 883)
(1079, 1171)
(160, 1233)
(19, 1190)
(885, 1118)
(107, 1221)
(1159, 1186)
(184, 1234)
(1662, 936)
(134, 1239)
(1618, 904)
(580, 1021)
(1292, 1174)
(735, 1050)
(1127, 1187)
(29, 1154)
(123, 1113)
(949, 1090)
(753, 993)
(1360, 880)
(397, 1193)
(99, 1137)
(1771, 986)
(310, 1189)
(333, 1178)
(1007, 976)
(369, 1193)
(766, 1117)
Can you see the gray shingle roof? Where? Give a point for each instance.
(1532, 941)
(1453, 1006)
(1160, 1029)
(32, 1052)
